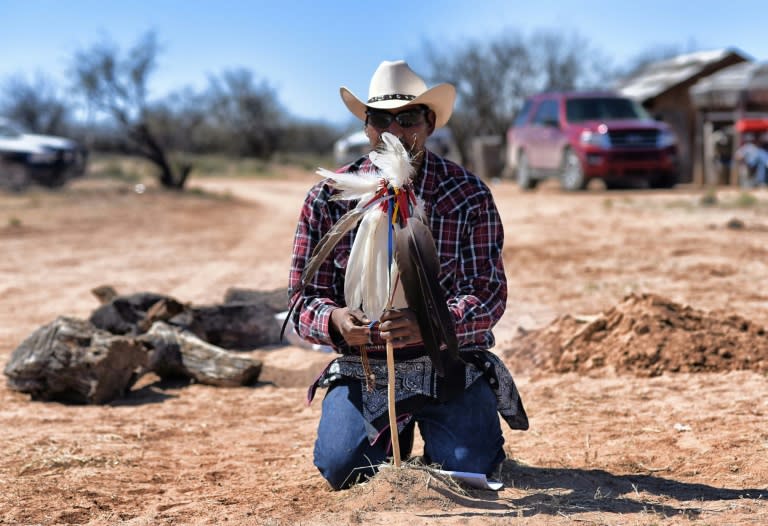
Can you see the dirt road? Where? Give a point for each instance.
(606, 446)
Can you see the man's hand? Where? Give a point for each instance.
(352, 326)
(400, 327)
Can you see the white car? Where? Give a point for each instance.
(27, 158)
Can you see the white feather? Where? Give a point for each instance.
(419, 211)
(370, 276)
(352, 185)
(365, 284)
(393, 160)
(376, 280)
(353, 291)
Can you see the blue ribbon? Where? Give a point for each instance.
(390, 228)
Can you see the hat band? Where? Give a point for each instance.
(394, 96)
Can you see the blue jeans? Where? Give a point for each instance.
(463, 434)
(757, 160)
(760, 172)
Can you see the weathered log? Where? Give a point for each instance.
(124, 314)
(276, 299)
(234, 326)
(177, 352)
(163, 310)
(71, 360)
(104, 293)
(245, 321)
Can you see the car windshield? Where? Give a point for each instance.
(6, 130)
(603, 108)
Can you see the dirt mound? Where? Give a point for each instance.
(644, 335)
(399, 488)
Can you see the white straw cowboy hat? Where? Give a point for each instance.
(393, 85)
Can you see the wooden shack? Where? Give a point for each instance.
(663, 89)
(729, 104)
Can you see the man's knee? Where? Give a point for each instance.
(340, 479)
(465, 435)
(342, 472)
(474, 457)
(342, 451)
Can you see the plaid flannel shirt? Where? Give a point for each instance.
(469, 239)
(468, 235)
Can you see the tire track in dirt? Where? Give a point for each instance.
(264, 248)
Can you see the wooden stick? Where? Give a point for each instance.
(391, 401)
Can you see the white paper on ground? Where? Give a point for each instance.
(476, 480)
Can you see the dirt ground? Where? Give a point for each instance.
(635, 329)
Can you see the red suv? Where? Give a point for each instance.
(580, 136)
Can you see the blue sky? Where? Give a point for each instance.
(306, 49)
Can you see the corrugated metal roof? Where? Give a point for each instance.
(724, 88)
(658, 77)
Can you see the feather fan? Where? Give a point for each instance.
(393, 262)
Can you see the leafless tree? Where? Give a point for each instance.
(116, 83)
(491, 79)
(308, 137)
(495, 75)
(559, 58)
(180, 121)
(246, 112)
(35, 104)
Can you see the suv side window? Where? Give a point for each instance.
(546, 114)
(522, 115)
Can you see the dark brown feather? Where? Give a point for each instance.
(294, 301)
(419, 267)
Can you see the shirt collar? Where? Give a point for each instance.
(425, 180)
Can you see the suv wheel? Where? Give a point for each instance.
(665, 180)
(14, 177)
(524, 178)
(572, 174)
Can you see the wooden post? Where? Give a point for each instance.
(710, 177)
(699, 157)
(391, 402)
(734, 175)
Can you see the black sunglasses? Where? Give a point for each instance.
(405, 119)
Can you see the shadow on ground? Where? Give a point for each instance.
(565, 492)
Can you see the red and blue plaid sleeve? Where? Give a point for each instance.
(318, 299)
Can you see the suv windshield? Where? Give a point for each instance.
(6, 130)
(606, 108)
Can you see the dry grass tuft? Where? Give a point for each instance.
(412, 485)
(54, 458)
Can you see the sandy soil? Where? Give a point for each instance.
(634, 329)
